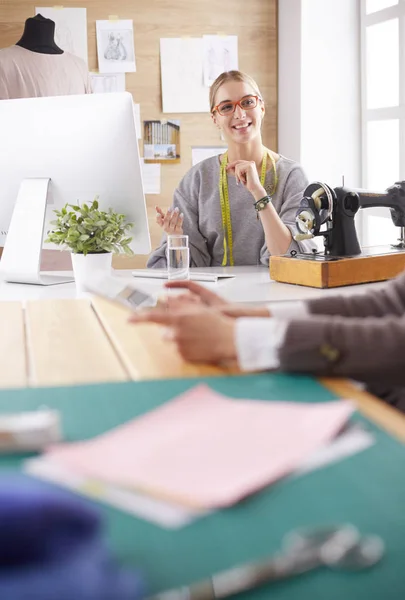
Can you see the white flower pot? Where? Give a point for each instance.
(85, 266)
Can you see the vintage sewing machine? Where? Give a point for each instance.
(330, 213)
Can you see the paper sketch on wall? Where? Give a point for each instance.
(220, 54)
(105, 83)
(70, 28)
(181, 66)
(150, 177)
(115, 46)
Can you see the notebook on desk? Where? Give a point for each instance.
(194, 275)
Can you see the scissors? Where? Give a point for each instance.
(303, 550)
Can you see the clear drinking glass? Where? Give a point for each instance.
(178, 257)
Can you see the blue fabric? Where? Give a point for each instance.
(52, 547)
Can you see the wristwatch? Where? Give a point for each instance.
(262, 203)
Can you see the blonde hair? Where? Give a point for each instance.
(231, 76)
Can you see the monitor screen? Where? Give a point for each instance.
(87, 145)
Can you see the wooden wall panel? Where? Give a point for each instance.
(253, 21)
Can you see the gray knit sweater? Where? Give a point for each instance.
(197, 197)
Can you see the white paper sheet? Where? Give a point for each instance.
(199, 153)
(181, 62)
(104, 83)
(138, 126)
(70, 28)
(150, 177)
(165, 514)
(351, 441)
(115, 46)
(194, 275)
(220, 54)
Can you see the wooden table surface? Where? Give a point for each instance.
(72, 342)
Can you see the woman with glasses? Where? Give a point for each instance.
(237, 208)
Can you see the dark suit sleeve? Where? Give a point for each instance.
(389, 300)
(367, 349)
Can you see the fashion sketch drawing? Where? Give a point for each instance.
(115, 49)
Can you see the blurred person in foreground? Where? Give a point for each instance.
(53, 547)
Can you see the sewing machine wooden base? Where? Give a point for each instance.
(374, 264)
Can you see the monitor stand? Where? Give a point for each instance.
(21, 258)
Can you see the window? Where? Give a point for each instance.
(382, 64)
(376, 5)
(382, 153)
(383, 109)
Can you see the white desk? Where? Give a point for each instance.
(250, 284)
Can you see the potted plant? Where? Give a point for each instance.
(92, 235)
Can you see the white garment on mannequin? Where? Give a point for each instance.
(27, 74)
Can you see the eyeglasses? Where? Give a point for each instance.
(228, 108)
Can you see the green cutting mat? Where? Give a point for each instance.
(367, 489)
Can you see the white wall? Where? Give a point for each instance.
(319, 88)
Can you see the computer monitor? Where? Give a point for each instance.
(86, 146)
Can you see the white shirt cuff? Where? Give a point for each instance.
(297, 309)
(258, 341)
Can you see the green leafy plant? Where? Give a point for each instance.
(86, 229)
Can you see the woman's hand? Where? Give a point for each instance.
(171, 222)
(246, 173)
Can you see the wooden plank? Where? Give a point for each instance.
(384, 415)
(365, 269)
(345, 271)
(13, 364)
(143, 349)
(67, 345)
(297, 271)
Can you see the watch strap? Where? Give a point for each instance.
(262, 203)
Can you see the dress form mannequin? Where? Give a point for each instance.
(38, 36)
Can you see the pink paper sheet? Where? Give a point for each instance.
(206, 450)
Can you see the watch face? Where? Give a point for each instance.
(261, 204)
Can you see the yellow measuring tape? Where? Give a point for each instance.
(224, 199)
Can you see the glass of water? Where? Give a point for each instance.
(178, 257)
